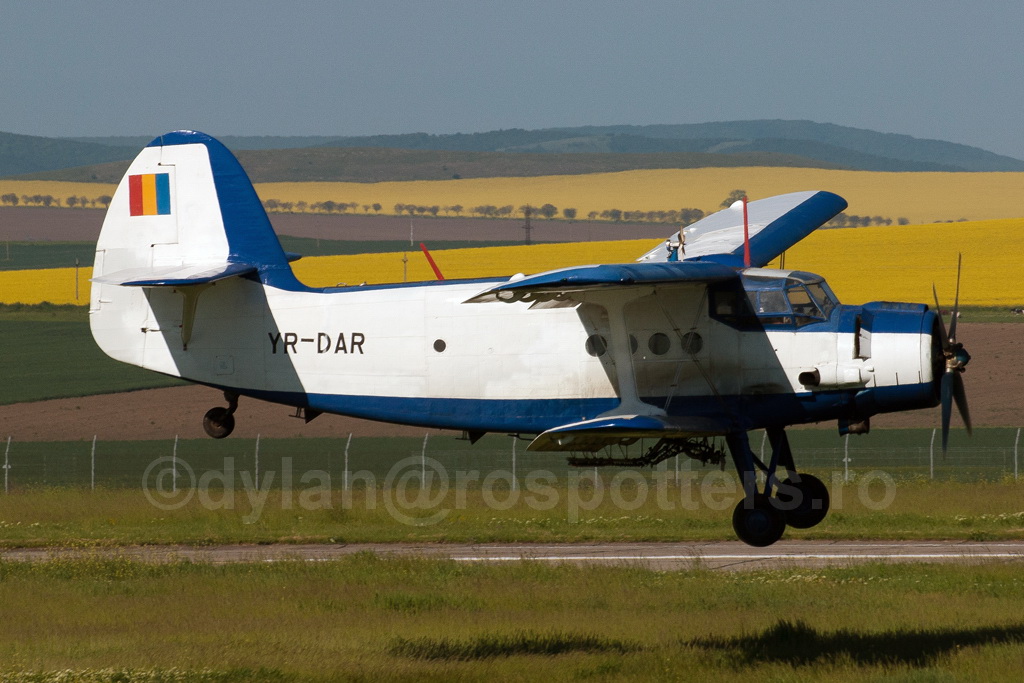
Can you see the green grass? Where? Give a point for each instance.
(31, 255)
(367, 617)
(44, 312)
(317, 509)
(57, 357)
(988, 314)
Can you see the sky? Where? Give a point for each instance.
(928, 68)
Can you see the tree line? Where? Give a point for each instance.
(72, 201)
(683, 216)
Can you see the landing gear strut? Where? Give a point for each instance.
(799, 500)
(219, 422)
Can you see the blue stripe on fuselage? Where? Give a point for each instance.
(534, 416)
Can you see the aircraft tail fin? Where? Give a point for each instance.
(186, 213)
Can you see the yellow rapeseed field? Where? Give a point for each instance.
(918, 197)
(861, 264)
(56, 285)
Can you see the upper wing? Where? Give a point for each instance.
(774, 224)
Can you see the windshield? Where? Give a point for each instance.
(795, 300)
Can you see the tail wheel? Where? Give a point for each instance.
(219, 422)
(757, 522)
(804, 501)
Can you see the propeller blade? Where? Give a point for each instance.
(946, 397)
(960, 396)
(956, 301)
(942, 325)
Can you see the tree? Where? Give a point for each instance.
(71, 201)
(457, 208)
(548, 211)
(10, 198)
(569, 214)
(105, 200)
(377, 207)
(733, 197)
(689, 216)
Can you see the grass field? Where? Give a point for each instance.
(302, 497)
(49, 353)
(367, 618)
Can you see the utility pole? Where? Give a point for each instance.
(527, 210)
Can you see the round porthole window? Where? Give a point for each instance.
(659, 344)
(692, 343)
(439, 345)
(596, 345)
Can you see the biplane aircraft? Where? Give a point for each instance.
(695, 343)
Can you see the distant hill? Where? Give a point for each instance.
(586, 149)
(852, 148)
(21, 154)
(381, 164)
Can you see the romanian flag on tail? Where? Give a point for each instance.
(149, 194)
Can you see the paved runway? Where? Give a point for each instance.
(721, 555)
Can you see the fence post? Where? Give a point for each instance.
(174, 466)
(931, 457)
(7, 465)
(1015, 442)
(92, 466)
(846, 458)
(345, 476)
(423, 455)
(514, 485)
(257, 460)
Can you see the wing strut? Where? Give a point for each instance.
(614, 301)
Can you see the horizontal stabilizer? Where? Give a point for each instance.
(593, 435)
(774, 224)
(565, 281)
(176, 276)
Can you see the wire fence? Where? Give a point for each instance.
(993, 454)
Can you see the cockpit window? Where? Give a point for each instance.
(796, 300)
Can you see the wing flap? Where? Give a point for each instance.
(593, 435)
(775, 224)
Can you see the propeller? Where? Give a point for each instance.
(951, 388)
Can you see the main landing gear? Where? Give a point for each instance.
(799, 500)
(220, 422)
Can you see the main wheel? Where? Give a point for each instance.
(757, 522)
(804, 501)
(218, 422)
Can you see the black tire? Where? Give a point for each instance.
(757, 522)
(218, 422)
(804, 501)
